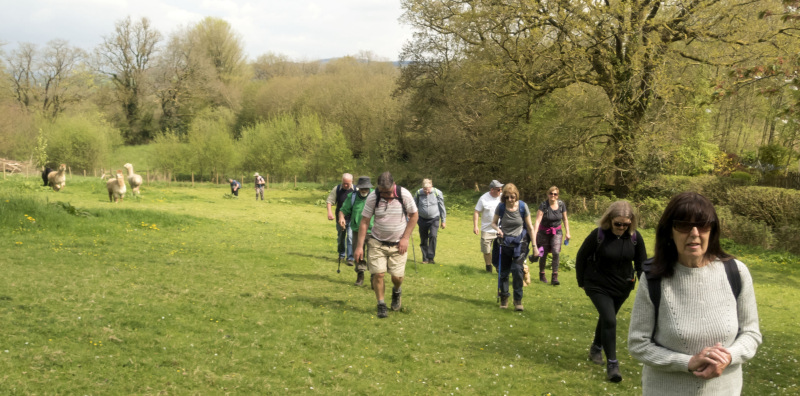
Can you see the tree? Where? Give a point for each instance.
(535, 48)
(59, 76)
(126, 57)
(21, 70)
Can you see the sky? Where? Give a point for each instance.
(300, 29)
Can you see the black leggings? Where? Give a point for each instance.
(605, 334)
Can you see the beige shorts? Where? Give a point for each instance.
(386, 259)
(486, 241)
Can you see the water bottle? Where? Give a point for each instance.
(566, 242)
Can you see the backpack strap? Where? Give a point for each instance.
(353, 199)
(398, 192)
(654, 286)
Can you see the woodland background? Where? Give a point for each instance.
(604, 99)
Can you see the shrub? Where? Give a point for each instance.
(788, 238)
(744, 230)
(82, 142)
(773, 206)
(743, 177)
(650, 210)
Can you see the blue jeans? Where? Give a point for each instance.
(513, 266)
(344, 241)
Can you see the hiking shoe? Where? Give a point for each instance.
(612, 372)
(350, 263)
(424, 261)
(542, 278)
(554, 279)
(596, 354)
(396, 300)
(489, 269)
(431, 261)
(503, 302)
(518, 305)
(359, 279)
(382, 309)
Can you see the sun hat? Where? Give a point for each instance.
(255, 174)
(495, 184)
(363, 182)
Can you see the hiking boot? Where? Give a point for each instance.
(424, 261)
(596, 354)
(554, 279)
(489, 268)
(612, 372)
(359, 279)
(542, 278)
(518, 305)
(396, 300)
(431, 261)
(503, 302)
(382, 309)
(350, 263)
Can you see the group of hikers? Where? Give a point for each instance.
(259, 183)
(696, 344)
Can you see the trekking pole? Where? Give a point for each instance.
(338, 269)
(414, 253)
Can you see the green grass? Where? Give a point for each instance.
(183, 291)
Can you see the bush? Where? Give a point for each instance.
(743, 177)
(650, 211)
(776, 207)
(82, 142)
(744, 230)
(788, 238)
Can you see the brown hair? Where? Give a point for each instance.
(619, 209)
(686, 206)
(509, 188)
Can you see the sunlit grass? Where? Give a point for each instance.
(183, 291)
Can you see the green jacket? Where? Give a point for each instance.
(352, 208)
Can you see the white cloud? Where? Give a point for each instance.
(301, 29)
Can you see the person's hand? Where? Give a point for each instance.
(500, 234)
(341, 223)
(402, 246)
(358, 255)
(475, 230)
(568, 237)
(444, 225)
(710, 362)
(330, 216)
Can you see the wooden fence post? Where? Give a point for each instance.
(295, 181)
(70, 172)
(192, 179)
(267, 181)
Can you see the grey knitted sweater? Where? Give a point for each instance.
(697, 310)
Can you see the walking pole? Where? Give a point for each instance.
(414, 252)
(338, 269)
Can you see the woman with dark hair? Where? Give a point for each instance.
(512, 221)
(547, 228)
(607, 262)
(705, 322)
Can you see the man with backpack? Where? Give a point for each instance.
(344, 234)
(351, 212)
(395, 215)
(430, 202)
(259, 182)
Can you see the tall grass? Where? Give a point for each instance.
(185, 292)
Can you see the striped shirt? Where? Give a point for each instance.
(390, 223)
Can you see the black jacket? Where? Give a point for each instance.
(611, 273)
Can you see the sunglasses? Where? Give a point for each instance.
(685, 227)
(555, 194)
(621, 225)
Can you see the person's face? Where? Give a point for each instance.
(347, 184)
(428, 189)
(691, 240)
(620, 224)
(511, 198)
(363, 192)
(387, 194)
(495, 191)
(552, 195)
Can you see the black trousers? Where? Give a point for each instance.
(605, 334)
(428, 230)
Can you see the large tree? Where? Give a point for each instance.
(125, 57)
(622, 47)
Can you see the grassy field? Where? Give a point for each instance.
(185, 291)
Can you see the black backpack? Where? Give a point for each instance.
(654, 285)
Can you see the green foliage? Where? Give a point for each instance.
(286, 146)
(212, 146)
(169, 153)
(744, 230)
(775, 207)
(773, 156)
(82, 142)
(40, 152)
(743, 177)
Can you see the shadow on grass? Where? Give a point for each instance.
(314, 256)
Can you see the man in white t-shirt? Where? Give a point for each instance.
(395, 218)
(484, 211)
